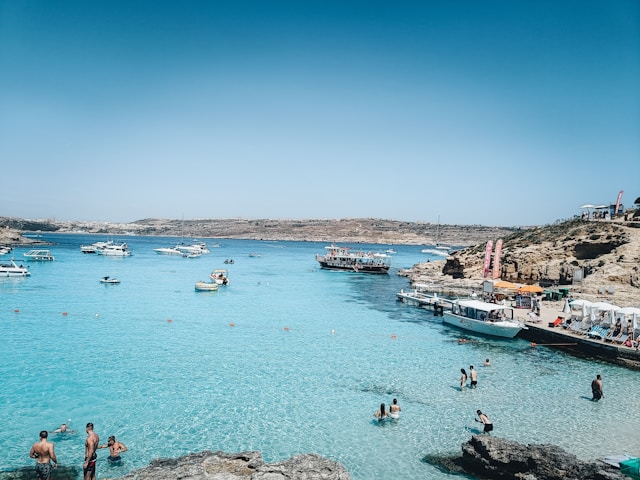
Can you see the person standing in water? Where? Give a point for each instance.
(381, 414)
(115, 449)
(90, 455)
(596, 388)
(474, 376)
(488, 425)
(44, 452)
(394, 409)
(463, 379)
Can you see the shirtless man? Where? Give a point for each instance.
(43, 452)
(90, 456)
(115, 449)
(488, 425)
(394, 409)
(596, 388)
(474, 376)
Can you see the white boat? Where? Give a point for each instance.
(5, 250)
(39, 256)
(343, 258)
(481, 317)
(220, 277)
(109, 280)
(96, 247)
(11, 269)
(115, 250)
(168, 251)
(193, 248)
(202, 286)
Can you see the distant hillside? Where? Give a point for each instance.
(359, 230)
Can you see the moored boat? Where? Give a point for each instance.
(168, 251)
(11, 269)
(344, 258)
(202, 286)
(113, 250)
(39, 256)
(109, 280)
(481, 317)
(95, 247)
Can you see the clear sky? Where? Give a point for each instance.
(480, 112)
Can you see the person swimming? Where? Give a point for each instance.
(394, 409)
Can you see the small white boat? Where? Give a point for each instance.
(481, 317)
(200, 248)
(115, 250)
(39, 256)
(202, 286)
(220, 277)
(11, 269)
(5, 250)
(109, 280)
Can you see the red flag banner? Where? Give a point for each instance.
(496, 259)
(618, 202)
(487, 258)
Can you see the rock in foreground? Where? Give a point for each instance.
(209, 465)
(490, 457)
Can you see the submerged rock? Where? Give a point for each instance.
(209, 465)
(488, 457)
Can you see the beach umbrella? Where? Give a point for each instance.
(566, 308)
(585, 311)
(531, 289)
(580, 303)
(605, 307)
(506, 285)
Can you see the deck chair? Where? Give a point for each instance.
(621, 339)
(575, 327)
(611, 290)
(601, 290)
(597, 332)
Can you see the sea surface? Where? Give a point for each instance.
(287, 359)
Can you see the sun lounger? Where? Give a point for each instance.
(575, 327)
(598, 332)
(621, 339)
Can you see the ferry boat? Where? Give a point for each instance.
(481, 317)
(39, 256)
(344, 258)
(11, 269)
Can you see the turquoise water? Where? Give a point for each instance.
(287, 359)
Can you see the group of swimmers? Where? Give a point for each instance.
(44, 452)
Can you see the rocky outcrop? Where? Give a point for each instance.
(209, 465)
(488, 457)
(606, 254)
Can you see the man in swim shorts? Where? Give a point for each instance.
(474, 376)
(115, 449)
(90, 455)
(43, 451)
(596, 388)
(394, 409)
(488, 426)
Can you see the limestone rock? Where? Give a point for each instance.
(209, 465)
(496, 458)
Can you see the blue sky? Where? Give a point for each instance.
(480, 112)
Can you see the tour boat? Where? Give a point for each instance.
(95, 247)
(343, 258)
(39, 256)
(481, 317)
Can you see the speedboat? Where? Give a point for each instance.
(343, 258)
(109, 280)
(11, 269)
(200, 248)
(39, 256)
(5, 250)
(481, 317)
(220, 277)
(202, 286)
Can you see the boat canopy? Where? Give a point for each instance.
(483, 306)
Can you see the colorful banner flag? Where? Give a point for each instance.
(618, 203)
(496, 259)
(487, 258)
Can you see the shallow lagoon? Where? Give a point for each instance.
(287, 359)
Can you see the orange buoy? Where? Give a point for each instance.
(286, 329)
(232, 324)
(64, 314)
(394, 336)
(533, 344)
(169, 320)
(17, 310)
